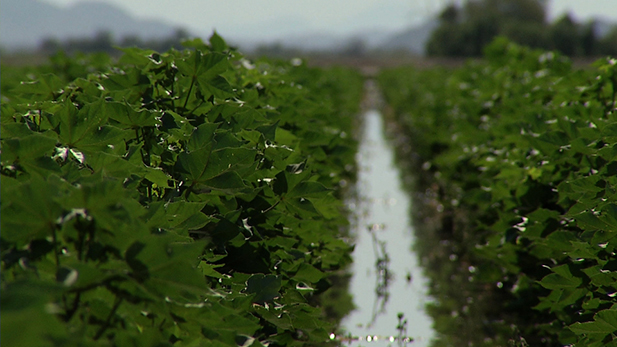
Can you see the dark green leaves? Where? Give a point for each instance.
(29, 210)
(166, 268)
(217, 43)
(179, 217)
(518, 155)
(205, 73)
(308, 274)
(33, 153)
(216, 169)
(604, 323)
(160, 200)
(128, 117)
(46, 87)
(562, 278)
(265, 287)
(75, 125)
(29, 147)
(28, 317)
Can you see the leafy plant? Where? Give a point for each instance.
(181, 198)
(518, 162)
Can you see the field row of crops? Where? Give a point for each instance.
(517, 207)
(186, 198)
(194, 198)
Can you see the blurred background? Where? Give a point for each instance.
(322, 28)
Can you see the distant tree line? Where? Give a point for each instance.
(463, 31)
(104, 41)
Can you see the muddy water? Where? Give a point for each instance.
(387, 278)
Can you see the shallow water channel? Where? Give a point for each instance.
(387, 277)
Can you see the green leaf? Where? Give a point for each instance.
(136, 56)
(216, 169)
(202, 137)
(308, 274)
(194, 164)
(112, 165)
(179, 217)
(589, 220)
(265, 287)
(43, 166)
(609, 317)
(210, 269)
(282, 321)
(229, 159)
(599, 277)
(329, 206)
(167, 268)
(308, 190)
(217, 86)
(204, 66)
(302, 207)
(46, 86)
(104, 138)
(583, 250)
(228, 182)
(29, 210)
(10, 129)
(285, 137)
(217, 43)
(605, 322)
(28, 317)
(129, 117)
(28, 147)
(109, 204)
(269, 131)
(212, 66)
(560, 240)
(158, 177)
(555, 281)
(75, 125)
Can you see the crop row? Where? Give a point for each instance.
(518, 177)
(185, 198)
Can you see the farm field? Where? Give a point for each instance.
(186, 198)
(513, 159)
(196, 197)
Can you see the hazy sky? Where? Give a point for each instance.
(332, 16)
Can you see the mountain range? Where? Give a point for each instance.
(24, 24)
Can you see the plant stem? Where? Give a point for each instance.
(188, 95)
(55, 241)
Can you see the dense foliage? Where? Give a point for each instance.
(464, 31)
(186, 198)
(519, 162)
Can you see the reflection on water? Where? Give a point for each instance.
(388, 286)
